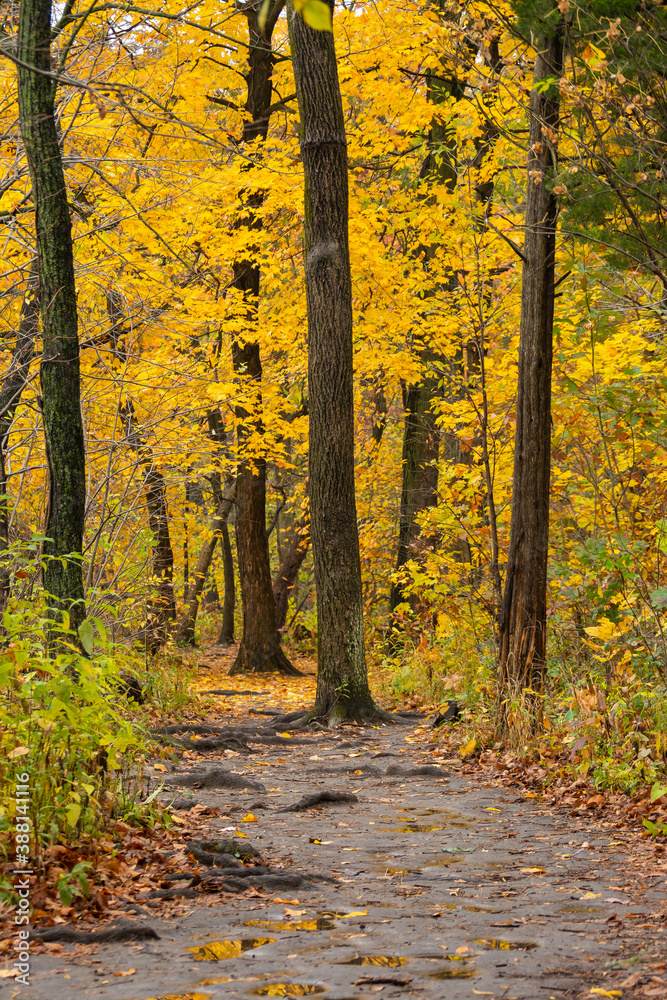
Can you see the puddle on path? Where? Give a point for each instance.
(465, 972)
(321, 924)
(185, 996)
(383, 961)
(497, 944)
(217, 951)
(287, 990)
(581, 909)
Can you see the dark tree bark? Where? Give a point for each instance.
(186, 628)
(342, 682)
(523, 622)
(163, 607)
(60, 380)
(289, 569)
(13, 384)
(260, 649)
(421, 449)
(226, 636)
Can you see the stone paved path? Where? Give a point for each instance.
(445, 887)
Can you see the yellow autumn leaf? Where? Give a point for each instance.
(468, 749)
(249, 818)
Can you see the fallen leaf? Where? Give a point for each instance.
(288, 736)
(18, 752)
(293, 913)
(483, 993)
(631, 981)
(465, 949)
(605, 993)
(249, 818)
(591, 895)
(240, 833)
(491, 809)
(8, 973)
(534, 871)
(468, 749)
(177, 819)
(159, 767)
(130, 972)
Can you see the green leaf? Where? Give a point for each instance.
(72, 814)
(87, 635)
(316, 14)
(657, 791)
(66, 894)
(263, 14)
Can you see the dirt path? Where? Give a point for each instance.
(442, 885)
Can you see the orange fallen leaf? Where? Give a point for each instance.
(130, 972)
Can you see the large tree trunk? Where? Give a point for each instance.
(342, 682)
(289, 569)
(60, 380)
(523, 624)
(260, 649)
(186, 628)
(13, 384)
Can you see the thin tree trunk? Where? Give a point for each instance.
(163, 608)
(523, 623)
(226, 636)
(186, 628)
(289, 570)
(342, 682)
(60, 379)
(259, 650)
(421, 447)
(11, 391)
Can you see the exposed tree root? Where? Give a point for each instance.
(123, 931)
(319, 798)
(337, 716)
(217, 778)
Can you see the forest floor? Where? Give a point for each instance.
(428, 878)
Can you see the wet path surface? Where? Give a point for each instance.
(443, 887)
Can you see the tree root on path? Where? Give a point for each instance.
(224, 853)
(217, 778)
(219, 734)
(415, 772)
(319, 797)
(308, 720)
(123, 931)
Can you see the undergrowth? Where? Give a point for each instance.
(604, 709)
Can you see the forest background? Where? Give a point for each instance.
(179, 131)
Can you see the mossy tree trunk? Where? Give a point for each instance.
(343, 693)
(523, 622)
(60, 379)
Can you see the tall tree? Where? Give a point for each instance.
(260, 648)
(342, 693)
(60, 381)
(523, 622)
